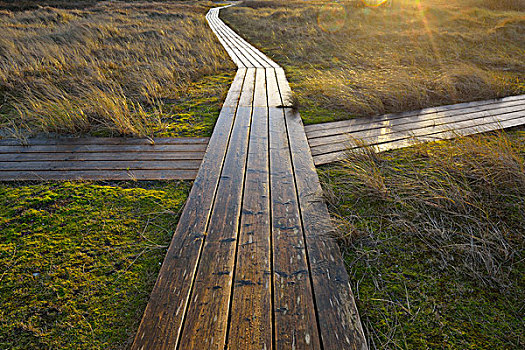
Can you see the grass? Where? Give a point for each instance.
(111, 68)
(434, 241)
(345, 59)
(78, 260)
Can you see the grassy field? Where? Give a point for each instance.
(110, 68)
(435, 243)
(345, 59)
(78, 260)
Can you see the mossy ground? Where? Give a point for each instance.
(434, 242)
(78, 260)
(193, 113)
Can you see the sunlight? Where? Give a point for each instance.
(374, 3)
(448, 84)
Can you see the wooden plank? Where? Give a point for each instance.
(252, 56)
(411, 140)
(319, 137)
(387, 134)
(250, 61)
(81, 156)
(340, 326)
(207, 314)
(238, 59)
(162, 320)
(243, 46)
(294, 311)
(267, 62)
(103, 148)
(251, 311)
(98, 175)
(104, 141)
(357, 121)
(220, 28)
(452, 133)
(101, 165)
(376, 136)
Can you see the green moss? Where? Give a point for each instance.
(194, 112)
(78, 260)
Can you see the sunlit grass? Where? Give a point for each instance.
(106, 68)
(345, 59)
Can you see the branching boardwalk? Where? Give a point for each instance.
(331, 141)
(252, 264)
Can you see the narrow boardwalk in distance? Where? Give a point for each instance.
(252, 264)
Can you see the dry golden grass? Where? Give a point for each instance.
(106, 67)
(346, 60)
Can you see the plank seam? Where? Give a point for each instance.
(270, 215)
(310, 278)
(230, 302)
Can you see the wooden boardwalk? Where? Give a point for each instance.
(330, 142)
(101, 158)
(252, 264)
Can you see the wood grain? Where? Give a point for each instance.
(251, 312)
(162, 321)
(294, 308)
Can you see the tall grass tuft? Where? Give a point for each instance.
(465, 199)
(104, 68)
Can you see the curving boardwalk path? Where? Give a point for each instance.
(252, 264)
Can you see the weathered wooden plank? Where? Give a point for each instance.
(339, 322)
(103, 148)
(416, 121)
(80, 156)
(162, 320)
(262, 59)
(101, 165)
(357, 121)
(294, 310)
(207, 314)
(251, 312)
(233, 42)
(239, 59)
(220, 28)
(104, 141)
(376, 136)
(97, 175)
(327, 158)
(452, 133)
(251, 57)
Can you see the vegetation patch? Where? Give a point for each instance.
(111, 68)
(345, 59)
(435, 243)
(79, 260)
(195, 109)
